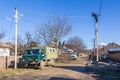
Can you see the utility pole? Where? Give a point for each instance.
(16, 35)
(93, 43)
(96, 35)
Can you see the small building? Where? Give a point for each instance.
(4, 49)
(80, 52)
(104, 50)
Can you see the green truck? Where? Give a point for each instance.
(39, 56)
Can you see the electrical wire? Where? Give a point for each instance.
(30, 21)
(51, 15)
(10, 29)
(100, 7)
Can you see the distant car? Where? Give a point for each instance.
(73, 55)
(105, 56)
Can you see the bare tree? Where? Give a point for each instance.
(24, 43)
(77, 43)
(56, 29)
(33, 44)
(21, 45)
(30, 40)
(20, 40)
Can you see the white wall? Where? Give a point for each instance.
(4, 52)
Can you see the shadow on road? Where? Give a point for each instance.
(99, 72)
(60, 78)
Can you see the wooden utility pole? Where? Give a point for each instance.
(16, 35)
(96, 35)
(93, 43)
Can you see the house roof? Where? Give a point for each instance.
(107, 47)
(111, 45)
(114, 49)
(3, 45)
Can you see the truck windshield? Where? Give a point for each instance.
(34, 51)
(28, 52)
(73, 53)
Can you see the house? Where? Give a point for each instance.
(79, 51)
(4, 49)
(104, 49)
(20, 48)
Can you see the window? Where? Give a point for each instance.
(42, 51)
(27, 52)
(53, 50)
(50, 50)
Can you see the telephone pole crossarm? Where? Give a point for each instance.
(95, 16)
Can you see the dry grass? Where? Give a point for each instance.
(14, 72)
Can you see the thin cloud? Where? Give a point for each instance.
(21, 14)
(8, 18)
(103, 44)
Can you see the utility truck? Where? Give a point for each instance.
(40, 56)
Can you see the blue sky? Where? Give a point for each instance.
(34, 12)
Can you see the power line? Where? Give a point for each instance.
(30, 21)
(10, 29)
(36, 23)
(73, 17)
(54, 15)
(100, 7)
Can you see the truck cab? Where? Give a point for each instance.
(33, 55)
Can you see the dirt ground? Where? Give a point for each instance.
(71, 70)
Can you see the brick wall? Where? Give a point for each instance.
(8, 61)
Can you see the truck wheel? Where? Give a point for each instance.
(41, 65)
(52, 62)
(25, 65)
